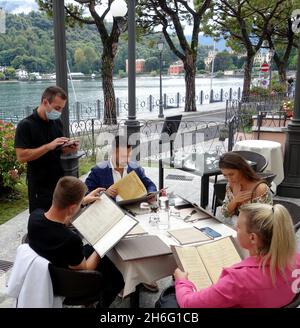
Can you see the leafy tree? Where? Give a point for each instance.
(223, 61)
(171, 17)
(109, 38)
(281, 37)
(237, 20)
(151, 64)
(10, 72)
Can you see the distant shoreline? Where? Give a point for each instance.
(207, 76)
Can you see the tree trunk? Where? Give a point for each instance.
(282, 73)
(247, 77)
(110, 115)
(190, 84)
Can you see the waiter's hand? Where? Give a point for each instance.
(70, 147)
(56, 142)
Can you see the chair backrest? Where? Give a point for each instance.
(261, 162)
(219, 194)
(293, 209)
(295, 302)
(267, 176)
(79, 287)
(220, 191)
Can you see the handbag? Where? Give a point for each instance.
(167, 298)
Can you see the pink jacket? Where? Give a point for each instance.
(242, 285)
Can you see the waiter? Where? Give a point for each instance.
(39, 142)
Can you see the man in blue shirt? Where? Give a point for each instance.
(106, 173)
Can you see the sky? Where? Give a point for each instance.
(25, 6)
(18, 6)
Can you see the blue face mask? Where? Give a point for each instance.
(53, 114)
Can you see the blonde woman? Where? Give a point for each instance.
(264, 279)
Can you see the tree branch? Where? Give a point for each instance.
(82, 20)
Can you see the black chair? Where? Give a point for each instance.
(219, 194)
(168, 134)
(261, 162)
(295, 302)
(293, 209)
(79, 287)
(267, 176)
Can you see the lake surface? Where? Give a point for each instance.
(16, 95)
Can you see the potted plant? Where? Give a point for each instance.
(288, 107)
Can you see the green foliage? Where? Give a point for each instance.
(2, 76)
(259, 91)
(15, 202)
(151, 64)
(121, 74)
(10, 168)
(10, 72)
(278, 87)
(220, 74)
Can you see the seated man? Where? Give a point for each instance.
(49, 236)
(107, 173)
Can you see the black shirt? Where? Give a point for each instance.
(33, 132)
(54, 241)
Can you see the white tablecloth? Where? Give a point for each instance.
(271, 150)
(151, 269)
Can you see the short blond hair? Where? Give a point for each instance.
(274, 227)
(68, 191)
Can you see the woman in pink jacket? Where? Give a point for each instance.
(265, 278)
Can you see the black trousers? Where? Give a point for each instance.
(113, 279)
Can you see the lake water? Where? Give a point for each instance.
(16, 95)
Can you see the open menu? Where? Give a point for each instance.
(130, 187)
(205, 262)
(103, 224)
(132, 190)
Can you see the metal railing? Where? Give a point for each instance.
(192, 136)
(95, 110)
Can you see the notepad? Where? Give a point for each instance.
(188, 235)
(205, 262)
(141, 247)
(136, 231)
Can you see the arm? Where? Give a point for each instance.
(30, 154)
(227, 292)
(92, 196)
(90, 264)
(150, 186)
(93, 180)
(229, 204)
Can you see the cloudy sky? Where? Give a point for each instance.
(18, 6)
(25, 6)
